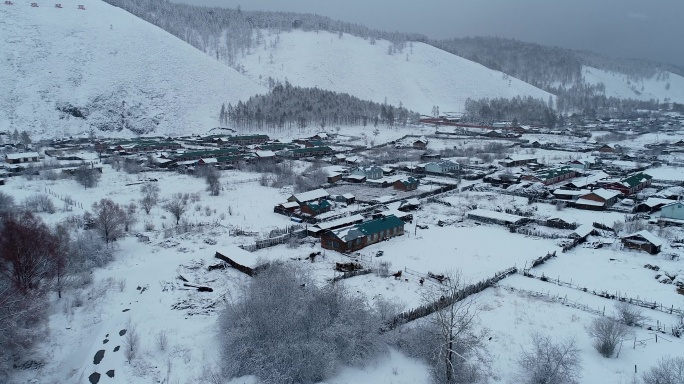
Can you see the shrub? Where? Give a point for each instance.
(309, 330)
(39, 203)
(607, 334)
(629, 314)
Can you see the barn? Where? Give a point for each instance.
(643, 240)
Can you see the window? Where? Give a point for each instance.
(335, 244)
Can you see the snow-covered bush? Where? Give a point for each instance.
(607, 334)
(39, 203)
(284, 328)
(669, 370)
(629, 314)
(549, 361)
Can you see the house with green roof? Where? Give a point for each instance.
(631, 184)
(315, 208)
(247, 139)
(551, 175)
(358, 236)
(407, 184)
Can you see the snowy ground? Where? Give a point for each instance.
(113, 302)
(98, 58)
(420, 77)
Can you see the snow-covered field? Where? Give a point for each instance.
(420, 77)
(106, 61)
(114, 301)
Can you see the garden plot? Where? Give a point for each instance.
(479, 251)
(511, 318)
(597, 303)
(666, 173)
(618, 272)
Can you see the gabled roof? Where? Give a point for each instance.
(604, 193)
(312, 150)
(636, 179)
(369, 228)
(648, 236)
(311, 195)
(553, 172)
(319, 206)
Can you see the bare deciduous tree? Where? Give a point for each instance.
(177, 206)
(6, 203)
(108, 219)
(27, 251)
(213, 178)
(150, 196)
(549, 362)
(455, 327)
(87, 176)
(131, 342)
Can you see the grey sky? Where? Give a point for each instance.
(648, 29)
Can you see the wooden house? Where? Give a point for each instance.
(353, 238)
(517, 160)
(407, 184)
(315, 208)
(631, 184)
(551, 176)
(596, 200)
(420, 143)
(20, 158)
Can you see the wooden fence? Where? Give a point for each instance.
(444, 302)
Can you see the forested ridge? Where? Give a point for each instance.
(290, 106)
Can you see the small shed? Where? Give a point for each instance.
(582, 232)
(241, 260)
(643, 240)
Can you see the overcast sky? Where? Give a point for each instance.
(648, 29)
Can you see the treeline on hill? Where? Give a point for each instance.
(287, 106)
(520, 110)
(546, 66)
(228, 33)
(528, 110)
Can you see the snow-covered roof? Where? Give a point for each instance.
(584, 230)
(265, 153)
(210, 160)
(651, 238)
(604, 193)
(520, 157)
(339, 222)
(348, 196)
(584, 201)
(654, 201)
(572, 192)
(311, 195)
(16, 156)
(289, 205)
(240, 256)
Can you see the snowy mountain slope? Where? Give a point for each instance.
(106, 63)
(670, 86)
(419, 77)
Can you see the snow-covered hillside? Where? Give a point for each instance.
(105, 62)
(670, 86)
(420, 77)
